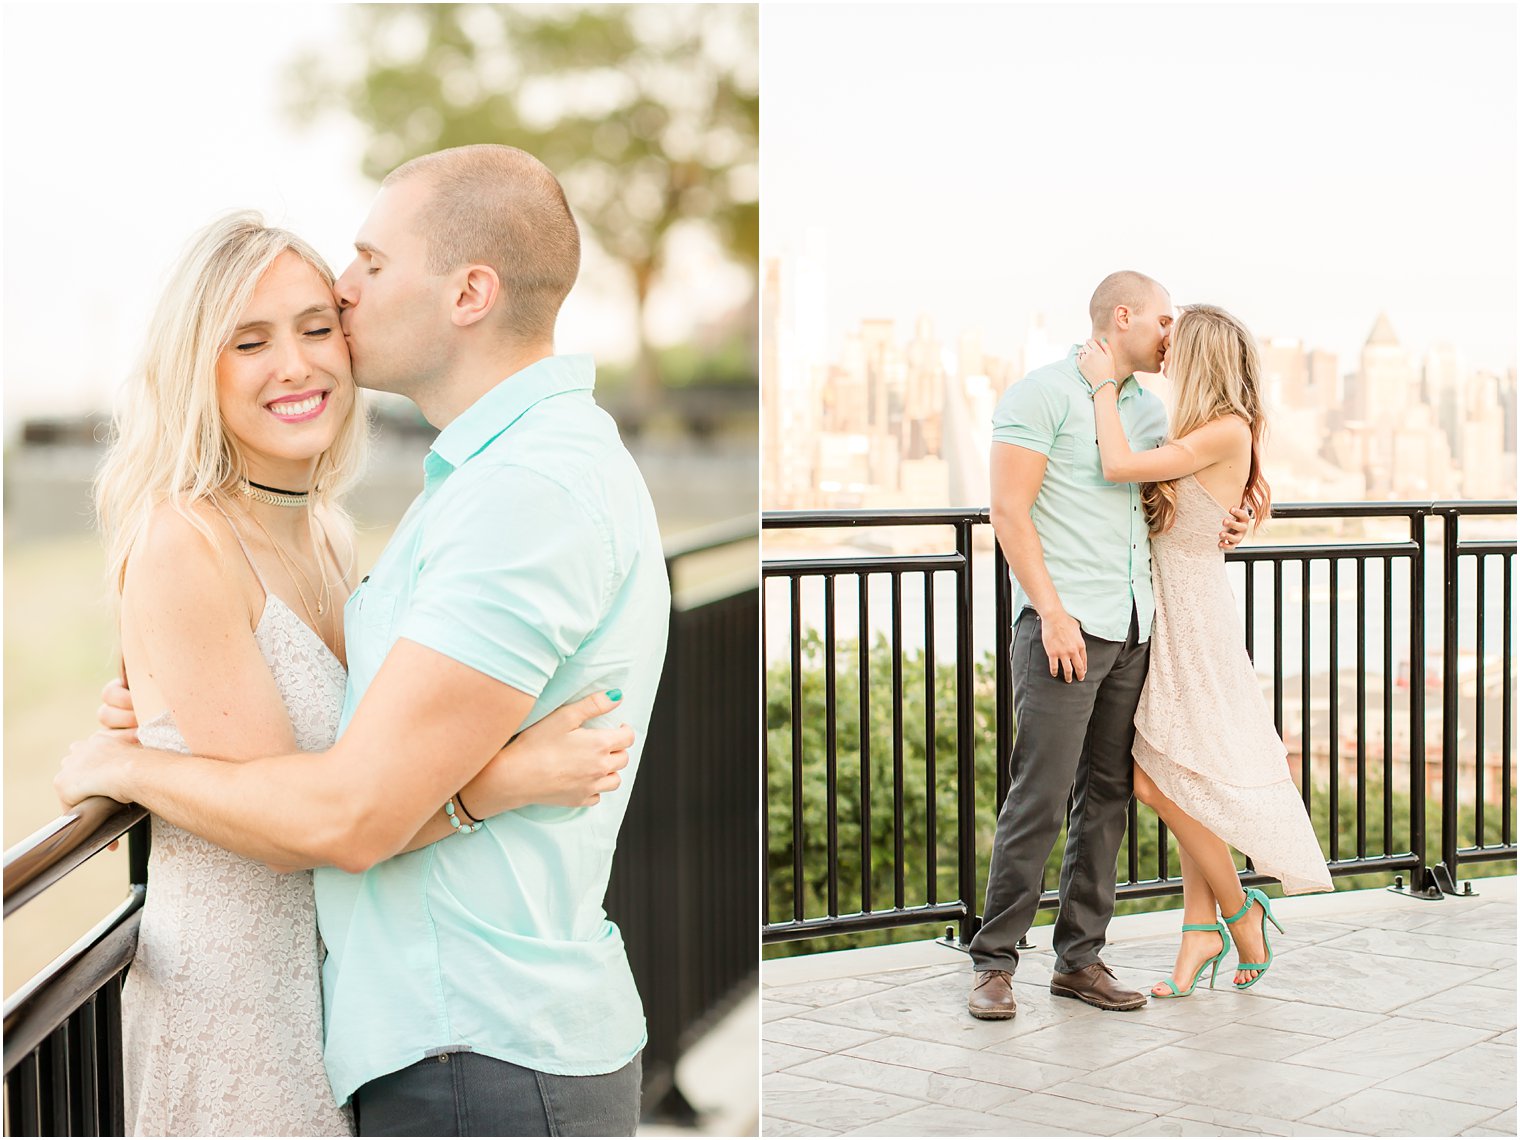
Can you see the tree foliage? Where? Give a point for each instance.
(879, 820)
(649, 114)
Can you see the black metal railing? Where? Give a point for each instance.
(1356, 749)
(685, 899)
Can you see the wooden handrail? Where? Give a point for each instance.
(54, 850)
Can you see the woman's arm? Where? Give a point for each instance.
(557, 760)
(188, 640)
(1218, 441)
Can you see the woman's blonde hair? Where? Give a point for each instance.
(1215, 370)
(169, 443)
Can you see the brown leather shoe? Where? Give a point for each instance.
(1096, 985)
(992, 996)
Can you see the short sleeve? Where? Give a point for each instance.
(1029, 415)
(512, 577)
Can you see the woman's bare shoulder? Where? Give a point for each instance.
(189, 550)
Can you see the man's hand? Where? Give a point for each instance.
(116, 713)
(558, 761)
(1064, 645)
(1235, 524)
(95, 766)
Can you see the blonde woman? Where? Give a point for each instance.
(232, 558)
(1207, 755)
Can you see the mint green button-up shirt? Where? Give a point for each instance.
(1097, 546)
(532, 555)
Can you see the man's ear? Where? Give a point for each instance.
(1121, 317)
(478, 291)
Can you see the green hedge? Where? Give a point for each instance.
(916, 794)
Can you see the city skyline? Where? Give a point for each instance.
(899, 414)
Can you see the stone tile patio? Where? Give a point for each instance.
(1382, 1016)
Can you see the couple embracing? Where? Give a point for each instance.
(1129, 669)
(471, 984)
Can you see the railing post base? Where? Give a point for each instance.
(1445, 881)
(953, 942)
(1422, 886)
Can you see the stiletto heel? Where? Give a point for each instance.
(1224, 938)
(1254, 896)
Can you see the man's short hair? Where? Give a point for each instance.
(1127, 288)
(499, 206)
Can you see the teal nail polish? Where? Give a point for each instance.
(614, 694)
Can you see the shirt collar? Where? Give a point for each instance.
(1128, 387)
(505, 404)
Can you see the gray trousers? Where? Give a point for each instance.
(470, 1094)
(1072, 744)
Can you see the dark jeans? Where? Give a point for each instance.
(469, 1094)
(1073, 743)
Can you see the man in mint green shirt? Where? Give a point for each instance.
(473, 985)
(1079, 549)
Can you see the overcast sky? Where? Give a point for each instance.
(129, 126)
(1303, 166)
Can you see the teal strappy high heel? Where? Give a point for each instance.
(1224, 936)
(1255, 896)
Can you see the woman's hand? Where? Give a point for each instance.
(95, 766)
(557, 761)
(116, 713)
(1096, 363)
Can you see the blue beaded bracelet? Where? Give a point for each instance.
(460, 826)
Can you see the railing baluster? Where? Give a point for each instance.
(1133, 831)
(88, 1036)
(1306, 750)
(24, 1096)
(1361, 708)
(1002, 672)
(1480, 757)
(864, 600)
(1389, 682)
(1277, 646)
(1417, 698)
(115, 1091)
(931, 801)
(1507, 722)
(898, 892)
(1251, 611)
(58, 1090)
(765, 766)
(1334, 727)
(799, 883)
(831, 741)
(1451, 693)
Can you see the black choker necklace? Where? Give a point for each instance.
(275, 496)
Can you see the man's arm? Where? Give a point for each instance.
(426, 726)
(515, 577)
(1017, 475)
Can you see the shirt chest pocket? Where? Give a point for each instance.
(1076, 452)
(369, 615)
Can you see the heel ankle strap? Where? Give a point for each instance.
(1241, 913)
(1200, 926)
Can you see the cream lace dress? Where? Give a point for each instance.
(1203, 731)
(222, 1008)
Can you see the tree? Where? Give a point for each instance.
(649, 114)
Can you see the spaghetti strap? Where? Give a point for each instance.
(246, 554)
